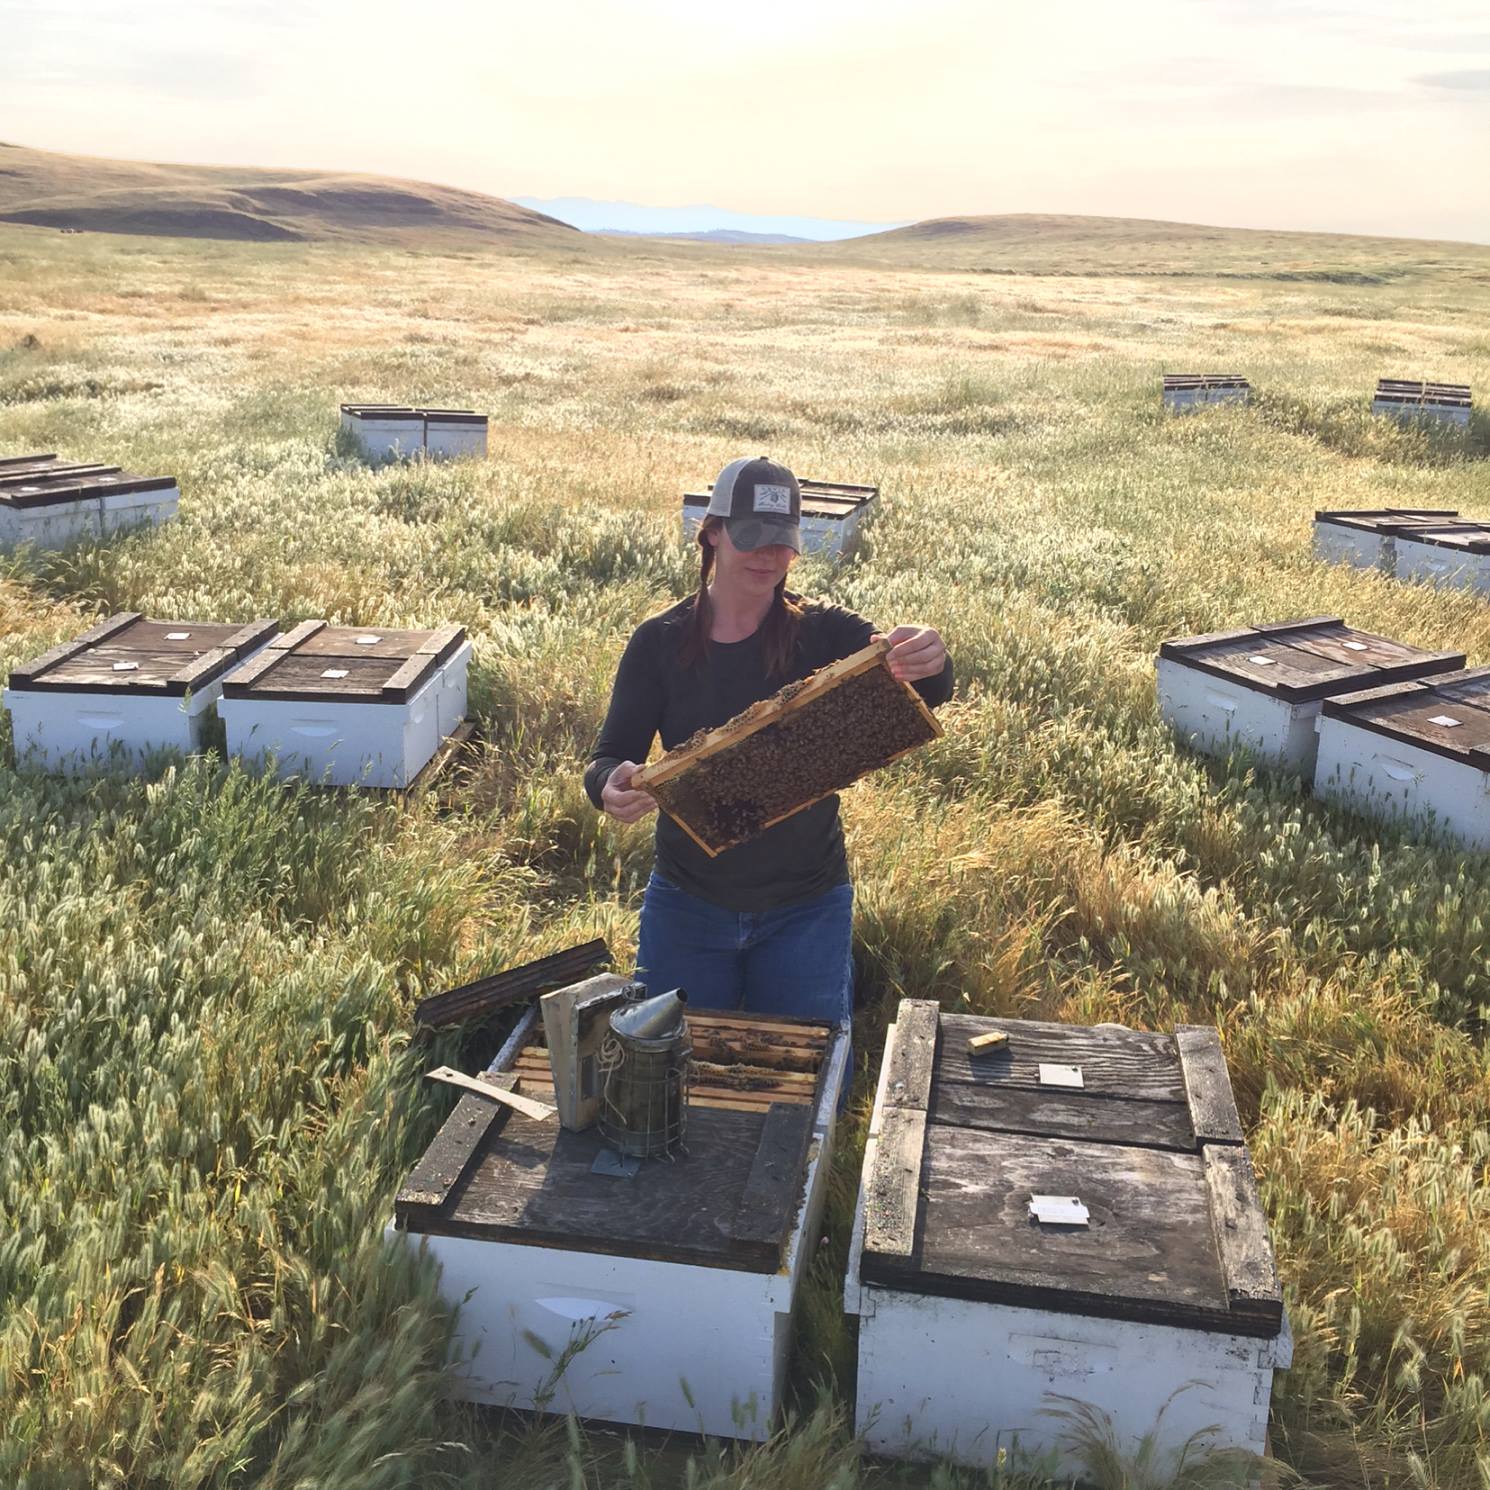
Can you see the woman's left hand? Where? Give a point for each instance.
(915, 652)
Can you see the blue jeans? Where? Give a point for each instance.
(796, 960)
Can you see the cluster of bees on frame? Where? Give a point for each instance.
(860, 724)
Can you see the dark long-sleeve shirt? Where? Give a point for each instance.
(797, 859)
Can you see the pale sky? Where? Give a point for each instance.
(1370, 116)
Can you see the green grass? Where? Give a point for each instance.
(208, 1093)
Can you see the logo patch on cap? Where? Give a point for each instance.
(773, 499)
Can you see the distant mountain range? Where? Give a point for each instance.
(716, 235)
(695, 222)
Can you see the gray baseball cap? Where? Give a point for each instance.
(760, 502)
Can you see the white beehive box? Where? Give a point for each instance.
(124, 689)
(51, 503)
(1185, 392)
(399, 431)
(1260, 688)
(1448, 553)
(450, 433)
(1402, 398)
(833, 512)
(1417, 752)
(1071, 1214)
(1365, 539)
(385, 431)
(345, 706)
(662, 1300)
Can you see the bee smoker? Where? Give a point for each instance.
(644, 1064)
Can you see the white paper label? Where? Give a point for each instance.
(1261, 661)
(126, 667)
(178, 636)
(773, 499)
(1446, 720)
(1052, 1074)
(335, 672)
(368, 641)
(1059, 1210)
(1354, 646)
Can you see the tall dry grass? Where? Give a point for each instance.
(206, 1079)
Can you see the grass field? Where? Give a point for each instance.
(207, 1090)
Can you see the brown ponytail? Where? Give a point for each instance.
(778, 630)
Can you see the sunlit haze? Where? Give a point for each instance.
(1367, 116)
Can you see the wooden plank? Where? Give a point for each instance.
(1149, 1252)
(534, 1185)
(486, 995)
(912, 1055)
(774, 1185)
(407, 677)
(1213, 1112)
(708, 1047)
(256, 634)
(891, 1203)
(448, 1159)
(297, 634)
(246, 674)
(1061, 1113)
(29, 672)
(1136, 1065)
(202, 669)
(492, 1091)
(1241, 1234)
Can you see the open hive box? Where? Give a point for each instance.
(397, 431)
(1418, 752)
(1405, 398)
(1260, 688)
(123, 689)
(805, 742)
(1191, 390)
(51, 503)
(347, 706)
(1366, 539)
(832, 513)
(664, 1299)
(1071, 1213)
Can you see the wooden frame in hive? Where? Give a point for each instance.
(675, 778)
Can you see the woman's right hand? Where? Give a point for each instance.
(620, 801)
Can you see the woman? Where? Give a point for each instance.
(765, 926)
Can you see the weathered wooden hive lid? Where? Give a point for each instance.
(1204, 381)
(1299, 661)
(1097, 1171)
(345, 664)
(401, 413)
(45, 481)
(130, 654)
(453, 416)
(1416, 390)
(1447, 715)
(1386, 519)
(1465, 535)
(826, 499)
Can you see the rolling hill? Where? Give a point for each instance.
(45, 189)
(1035, 243)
